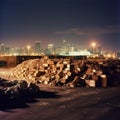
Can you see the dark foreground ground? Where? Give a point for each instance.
(65, 103)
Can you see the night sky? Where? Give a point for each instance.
(79, 22)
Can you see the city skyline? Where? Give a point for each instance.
(79, 22)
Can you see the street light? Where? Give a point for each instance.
(93, 44)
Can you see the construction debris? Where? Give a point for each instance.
(67, 72)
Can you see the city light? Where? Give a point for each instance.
(65, 49)
(93, 44)
(28, 47)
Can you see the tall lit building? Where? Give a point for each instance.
(7, 49)
(37, 46)
(51, 48)
(70, 48)
(99, 49)
(2, 48)
(64, 47)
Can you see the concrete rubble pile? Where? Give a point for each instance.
(11, 89)
(67, 72)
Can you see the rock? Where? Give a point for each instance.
(33, 89)
(11, 89)
(12, 92)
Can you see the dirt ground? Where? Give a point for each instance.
(65, 103)
(4, 72)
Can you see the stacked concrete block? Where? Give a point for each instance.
(62, 71)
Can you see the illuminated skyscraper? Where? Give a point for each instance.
(70, 48)
(2, 48)
(64, 47)
(7, 50)
(37, 46)
(51, 48)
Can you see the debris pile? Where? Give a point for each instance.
(47, 71)
(11, 89)
(68, 72)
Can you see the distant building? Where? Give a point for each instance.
(118, 54)
(2, 48)
(51, 48)
(7, 49)
(58, 50)
(79, 53)
(71, 48)
(64, 47)
(99, 49)
(37, 46)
